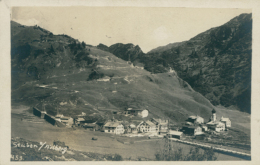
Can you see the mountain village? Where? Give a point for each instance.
(153, 128)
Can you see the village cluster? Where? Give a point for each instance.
(193, 126)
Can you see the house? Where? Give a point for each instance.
(137, 112)
(90, 126)
(175, 134)
(130, 128)
(161, 125)
(79, 121)
(226, 121)
(192, 130)
(195, 119)
(146, 126)
(66, 120)
(216, 126)
(114, 127)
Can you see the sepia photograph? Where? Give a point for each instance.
(130, 83)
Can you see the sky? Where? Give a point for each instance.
(148, 27)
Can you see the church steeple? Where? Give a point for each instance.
(214, 115)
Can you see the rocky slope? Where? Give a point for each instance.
(60, 73)
(127, 52)
(216, 63)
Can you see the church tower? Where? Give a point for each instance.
(214, 115)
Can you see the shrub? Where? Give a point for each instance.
(117, 157)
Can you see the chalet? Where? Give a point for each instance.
(226, 121)
(216, 126)
(66, 120)
(146, 126)
(195, 119)
(137, 112)
(90, 126)
(161, 125)
(130, 128)
(79, 121)
(175, 134)
(192, 130)
(114, 127)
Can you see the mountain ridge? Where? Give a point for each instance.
(216, 63)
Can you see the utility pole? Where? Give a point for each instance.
(167, 146)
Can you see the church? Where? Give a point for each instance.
(215, 125)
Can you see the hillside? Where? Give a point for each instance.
(64, 74)
(216, 63)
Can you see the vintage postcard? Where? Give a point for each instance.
(131, 82)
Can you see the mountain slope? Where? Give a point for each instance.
(61, 74)
(216, 63)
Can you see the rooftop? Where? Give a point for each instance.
(192, 127)
(80, 119)
(215, 123)
(131, 109)
(59, 116)
(193, 117)
(112, 124)
(65, 118)
(225, 119)
(89, 125)
(172, 132)
(150, 123)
